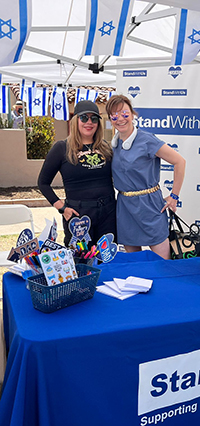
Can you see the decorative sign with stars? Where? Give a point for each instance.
(6, 29)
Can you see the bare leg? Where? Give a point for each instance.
(131, 249)
(162, 249)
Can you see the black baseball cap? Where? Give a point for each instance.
(83, 107)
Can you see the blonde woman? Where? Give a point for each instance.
(84, 162)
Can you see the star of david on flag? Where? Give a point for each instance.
(187, 37)
(106, 28)
(37, 101)
(59, 104)
(4, 99)
(85, 95)
(15, 25)
(107, 24)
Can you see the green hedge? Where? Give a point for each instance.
(40, 135)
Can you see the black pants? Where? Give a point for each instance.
(102, 213)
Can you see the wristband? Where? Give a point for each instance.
(62, 209)
(174, 196)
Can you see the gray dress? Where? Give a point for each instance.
(139, 221)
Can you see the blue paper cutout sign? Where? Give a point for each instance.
(79, 228)
(107, 249)
(25, 236)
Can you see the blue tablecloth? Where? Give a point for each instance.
(79, 366)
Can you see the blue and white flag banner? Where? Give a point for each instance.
(85, 95)
(107, 24)
(187, 37)
(110, 93)
(24, 90)
(15, 25)
(59, 104)
(4, 99)
(37, 101)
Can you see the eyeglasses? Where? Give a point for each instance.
(124, 114)
(84, 118)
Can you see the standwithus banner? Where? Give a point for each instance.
(167, 102)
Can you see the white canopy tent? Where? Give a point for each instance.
(52, 54)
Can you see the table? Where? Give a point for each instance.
(90, 364)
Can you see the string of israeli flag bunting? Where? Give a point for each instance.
(107, 25)
(37, 100)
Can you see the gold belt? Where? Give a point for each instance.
(142, 192)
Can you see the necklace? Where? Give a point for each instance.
(89, 147)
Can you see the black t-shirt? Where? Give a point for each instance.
(90, 179)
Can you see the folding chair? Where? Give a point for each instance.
(13, 214)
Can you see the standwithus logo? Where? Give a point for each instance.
(173, 121)
(135, 73)
(169, 388)
(175, 71)
(134, 91)
(174, 92)
(168, 184)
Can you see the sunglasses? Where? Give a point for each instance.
(124, 114)
(84, 118)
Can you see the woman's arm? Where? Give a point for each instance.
(168, 154)
(50, 168)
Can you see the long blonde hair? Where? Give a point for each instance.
(75, 144)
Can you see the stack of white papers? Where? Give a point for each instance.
(122, 289)
(21, 270)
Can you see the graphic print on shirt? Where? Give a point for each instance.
(91, 159)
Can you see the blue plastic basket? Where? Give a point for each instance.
(51, 298)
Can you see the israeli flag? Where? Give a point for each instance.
(85, 95)
(24, 90)
(59, 104)
(37, 101)
(109, 94)
(4, 109)
(15, 25)
(106, 26)
(187, 37)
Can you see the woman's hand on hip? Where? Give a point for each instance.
(68, 212)
(170, 203)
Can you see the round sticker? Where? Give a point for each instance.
(46, 259)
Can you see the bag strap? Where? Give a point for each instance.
(177, 220)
